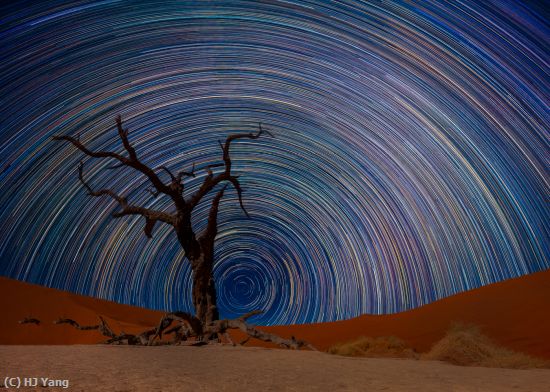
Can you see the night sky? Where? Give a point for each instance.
(409, 157)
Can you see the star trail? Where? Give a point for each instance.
(409, 157)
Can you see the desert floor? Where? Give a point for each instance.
(225, 368)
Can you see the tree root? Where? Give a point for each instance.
(221, 326)
(188, 326)
(213, 331)
(103, 327)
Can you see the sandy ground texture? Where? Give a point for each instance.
(225, 368)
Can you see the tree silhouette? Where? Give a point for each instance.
(205, 325)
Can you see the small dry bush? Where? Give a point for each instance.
(465, 345)
(387, 347)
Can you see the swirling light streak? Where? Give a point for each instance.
(409, 160)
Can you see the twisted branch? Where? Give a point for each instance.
(103, 327)
(151, 216)
(131, 161)
(212, 180)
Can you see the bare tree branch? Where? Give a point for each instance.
(123, 133)
(182, 173)
(234, 180)
(102, 192)
(122, 338)
(151, 216)
(212, 227)
(174, 179)
(103, 327)
(211, 180)
(132, 161)
(94, 154)
(149, 225)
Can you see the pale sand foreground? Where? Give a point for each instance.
(224, 368)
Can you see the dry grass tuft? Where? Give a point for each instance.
(386, 347)
(465, 345)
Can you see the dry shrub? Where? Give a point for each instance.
(465, 345)
(387, 347)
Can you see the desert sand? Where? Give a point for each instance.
(513, 313)
(225, 368)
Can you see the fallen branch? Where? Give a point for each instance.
(30, 320)
(103, 327)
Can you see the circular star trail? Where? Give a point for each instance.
(409, 157)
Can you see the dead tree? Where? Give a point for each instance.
(198, 248)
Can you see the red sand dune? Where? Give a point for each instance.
(514, 313)
(19, 300)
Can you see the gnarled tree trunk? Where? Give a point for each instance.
(204, 291)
